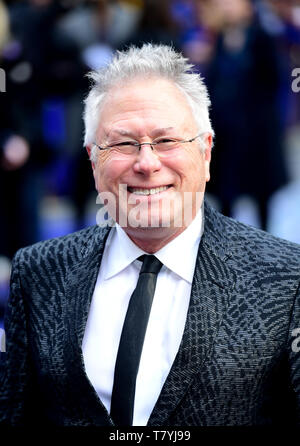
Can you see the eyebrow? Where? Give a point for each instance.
(155, 133)
(162, 131)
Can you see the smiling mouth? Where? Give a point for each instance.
(147, 191)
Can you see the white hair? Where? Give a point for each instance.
(150, 60)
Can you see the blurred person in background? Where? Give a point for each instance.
(282, 20)
(156, 24)
(59, 86)
(25, 151)
(36, 67)
(243, 77)
(4, 261)
(21, 149)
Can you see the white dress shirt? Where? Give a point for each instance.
(117, 279)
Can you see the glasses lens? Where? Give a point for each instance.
(125, 148)
(166, 145)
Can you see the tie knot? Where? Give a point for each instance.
(151, 264)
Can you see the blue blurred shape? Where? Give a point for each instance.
(54, 122)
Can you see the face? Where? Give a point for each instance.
(144, 111)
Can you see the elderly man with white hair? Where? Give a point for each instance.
(166, 313)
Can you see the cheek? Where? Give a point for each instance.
(191, 166)
(109, 172)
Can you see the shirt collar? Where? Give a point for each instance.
(179, 255)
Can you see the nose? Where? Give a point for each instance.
(147, 160)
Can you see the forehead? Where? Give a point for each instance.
(145, 103)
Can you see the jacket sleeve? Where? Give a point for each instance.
(14, 370)
(294, 352)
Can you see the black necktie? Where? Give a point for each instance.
(131, 342)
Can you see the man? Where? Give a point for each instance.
(205, 335)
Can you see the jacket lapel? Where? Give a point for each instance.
(211, 287)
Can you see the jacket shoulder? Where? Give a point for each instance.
(244, 241)
(68, 249)
(264, 246)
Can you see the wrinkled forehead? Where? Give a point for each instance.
(154, 102)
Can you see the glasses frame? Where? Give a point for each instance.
(153, 143)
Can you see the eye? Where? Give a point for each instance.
(164, 144)
(123, 144)
(165, 141)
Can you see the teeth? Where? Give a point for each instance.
(152, 191)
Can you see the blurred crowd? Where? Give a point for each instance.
(245, 49)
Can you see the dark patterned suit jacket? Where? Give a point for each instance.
(238, 362)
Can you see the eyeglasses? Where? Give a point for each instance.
(162, 146)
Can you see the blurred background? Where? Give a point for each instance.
(245, 49)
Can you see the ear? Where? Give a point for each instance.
(207, 155)
(89, 151)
